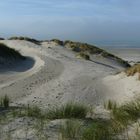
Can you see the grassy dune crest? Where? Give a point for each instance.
(81, 48)
(26, 39)
(91, 49)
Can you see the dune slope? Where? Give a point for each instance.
(53, 74)
(57, 75)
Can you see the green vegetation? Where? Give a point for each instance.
(4, 101)
(34, 111)
(58, 42)
(91, 49)
(83, 47)
(74, 124)
(110, 105)
(127, 113)
(70, 110)
(97, 130)
(71, 130)
(27, 39)
(6, 52)
(113, 129)
(83, 55)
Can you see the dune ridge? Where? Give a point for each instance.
(82, 48)
(58, 77)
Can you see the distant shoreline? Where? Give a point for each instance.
(120, 47)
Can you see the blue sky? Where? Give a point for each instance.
(94, 21)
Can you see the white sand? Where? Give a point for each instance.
(53, 76)
(58, 77)
(120, 88)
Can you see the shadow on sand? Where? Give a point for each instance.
(106, 65)
(17, 65)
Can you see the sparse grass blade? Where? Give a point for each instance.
(110, 105)
(71, 130)
(97, 131)
(5, 101)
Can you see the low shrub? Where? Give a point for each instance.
(58, 42)
(125, 113)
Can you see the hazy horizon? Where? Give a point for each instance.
(110, 22)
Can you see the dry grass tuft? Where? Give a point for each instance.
(83, 55)
(133, 70)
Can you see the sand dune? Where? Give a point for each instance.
(53, 75)
(120, 88)
(19, 70)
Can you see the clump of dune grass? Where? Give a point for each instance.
(58, 42)
(71, 130)
(133, 70)
(110, 105)
(98, 130)
(93, 130)
(69, 110)
(83, 55)
(34, 111)
(123, 116)
(133, 109)
(5, 101)
(130, 110)
(90, 130)
(83, 47)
